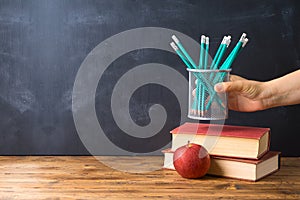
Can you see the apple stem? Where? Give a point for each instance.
(188, 144)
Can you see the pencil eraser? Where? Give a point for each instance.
(173, 45)
(207, 40)
(224, 40)
(203, 39)
(227, 40)
(245, 42)
(243, 37)
(175, 39)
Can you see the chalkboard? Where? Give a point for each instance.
(43, 44)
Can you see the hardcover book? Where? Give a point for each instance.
(238, 168)
(230, 141)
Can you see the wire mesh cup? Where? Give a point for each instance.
(204, 102)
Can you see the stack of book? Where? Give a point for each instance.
(236, 151)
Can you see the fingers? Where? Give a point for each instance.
(219, 87)
(236, 86)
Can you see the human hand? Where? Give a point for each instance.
(245, 95)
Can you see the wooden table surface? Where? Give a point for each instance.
(84, 177)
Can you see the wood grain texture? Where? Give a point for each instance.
(84, 177)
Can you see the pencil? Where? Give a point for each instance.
(217, 54)
(227, 41)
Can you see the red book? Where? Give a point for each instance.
(224, 140)
(238, 168)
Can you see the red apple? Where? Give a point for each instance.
(191, 161)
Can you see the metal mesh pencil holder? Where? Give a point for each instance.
(204, 102)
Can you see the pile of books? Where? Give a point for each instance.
(236, 151)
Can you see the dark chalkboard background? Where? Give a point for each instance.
(43, 43)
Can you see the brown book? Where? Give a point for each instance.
(224, 140)
(244, 169)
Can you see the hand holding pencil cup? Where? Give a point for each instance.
(204, 102)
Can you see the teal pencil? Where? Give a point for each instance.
(185, 61)
(203, 92)
(201, 89)
(223, 50)
(202, 49)
(217, 54)
(200, 66)
(182, 49)
(225, 45)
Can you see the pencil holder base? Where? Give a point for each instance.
(203, 118)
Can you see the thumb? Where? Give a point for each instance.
(236, 86)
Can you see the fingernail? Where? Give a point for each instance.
(219, 87)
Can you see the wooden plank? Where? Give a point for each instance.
(84, 177)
